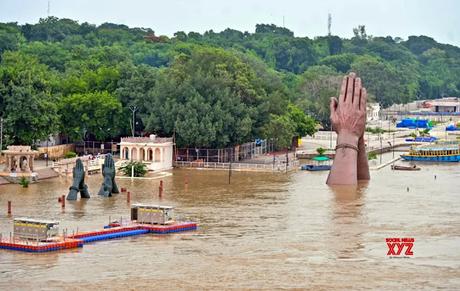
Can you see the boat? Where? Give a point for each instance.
(442, 152)
(320, 166)
(315, 167)
(405, 168)
(422, 139)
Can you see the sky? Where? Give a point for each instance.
(439, 19)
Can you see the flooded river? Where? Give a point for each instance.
(261, 231)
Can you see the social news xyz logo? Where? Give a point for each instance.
(400, 247)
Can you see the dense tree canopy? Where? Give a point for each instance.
(95, 113)
(211, 90)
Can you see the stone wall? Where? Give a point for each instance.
(56, 152)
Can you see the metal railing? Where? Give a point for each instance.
(275, 167)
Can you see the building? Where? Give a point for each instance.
(441, 110)
(156, 152)
(373, 111)
(19, 164)
(445, 105)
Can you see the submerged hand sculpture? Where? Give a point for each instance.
(348, 118)
(78, 182)
(108, 172)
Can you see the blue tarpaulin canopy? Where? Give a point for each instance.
(321, 158)
(452, 128)
(415, 123)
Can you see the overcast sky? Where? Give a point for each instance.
(439, 19)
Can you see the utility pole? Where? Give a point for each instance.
(133, 108)
(46, 155)
(229, 172)
(394, 145)
(287, 159)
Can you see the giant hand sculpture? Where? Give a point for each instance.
(348, 118)
(108, 172)
(78, 184)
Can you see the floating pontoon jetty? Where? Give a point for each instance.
(38, 236)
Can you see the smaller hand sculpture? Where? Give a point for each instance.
(78, 184)
(108, 172)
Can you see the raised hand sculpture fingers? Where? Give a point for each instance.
(78, 180)
(108, 171)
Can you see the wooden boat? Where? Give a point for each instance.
(443, 152)
(315, 167)
(405, 168)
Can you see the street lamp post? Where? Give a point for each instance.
(393, 145)
(393, 148)
(1, 135)
(389, 123)
(84, 141)
(133, 108)
(46, 155)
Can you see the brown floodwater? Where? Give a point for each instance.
(261, 231)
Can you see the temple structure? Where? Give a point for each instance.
(156, 152)
(19, 162)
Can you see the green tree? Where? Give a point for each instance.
(27, 99)
(334, 44)
(303, 124)
(280, 130)
(90, 114)
(10, 37)
(381, 79)
(317, 85)
(342, 62)
(208, 97)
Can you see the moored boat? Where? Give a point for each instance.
(405, 168)
(319, 166)
(315, 167)
(445, 152)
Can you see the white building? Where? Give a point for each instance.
(445, 105)
(156, 152)
(373, 111)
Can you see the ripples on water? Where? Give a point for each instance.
(263, 230)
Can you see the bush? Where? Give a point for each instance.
(320, 151)
(140, 169)
(376, 130)
(425, 132)
(70, 154)
(371, 156)
(24, 182)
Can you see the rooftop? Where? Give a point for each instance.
(143, 139)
